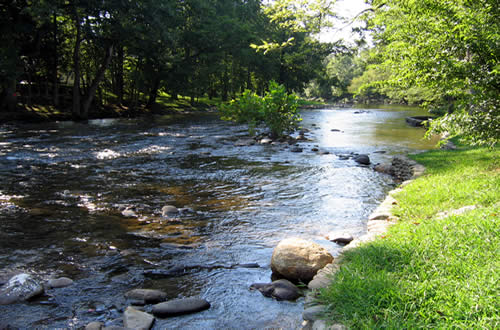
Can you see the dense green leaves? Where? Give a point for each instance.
(277, 109)
(128, 52)
(451, 48)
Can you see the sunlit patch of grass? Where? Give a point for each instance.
(430, 271)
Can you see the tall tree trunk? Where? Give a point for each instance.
(119, 75)
(153, 93)
(89, 96)
(55, 92)
(76, 110)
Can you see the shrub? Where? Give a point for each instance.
(276, 109)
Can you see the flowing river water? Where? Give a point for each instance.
(84, 201)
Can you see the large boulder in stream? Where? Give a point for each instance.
(299, 260)
(20, 288)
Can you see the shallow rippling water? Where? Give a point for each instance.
(65, 187)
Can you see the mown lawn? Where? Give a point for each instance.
(430, 271)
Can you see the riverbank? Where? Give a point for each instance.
(438, 265)
(164, 106)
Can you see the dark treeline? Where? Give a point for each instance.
(78, 55)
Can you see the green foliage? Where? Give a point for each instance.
(428, 271)
(195, 48)
(277, 109)
(450, 48)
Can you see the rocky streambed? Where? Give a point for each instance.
(188, 206)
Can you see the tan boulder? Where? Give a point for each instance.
(299, 260)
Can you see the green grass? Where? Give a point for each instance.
(429, 272)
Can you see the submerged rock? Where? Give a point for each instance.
(244, 142)
(149, 296)
(280, 289)
(299, 260)
(180, 307)
(60, 282)
(19, 288)
(135, 319)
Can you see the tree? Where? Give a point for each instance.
(451, 48)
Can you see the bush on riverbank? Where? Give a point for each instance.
(277, 109)
(431, 269)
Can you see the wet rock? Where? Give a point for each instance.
(299, 260)
(180, 307)
(315, 149)
(344, 157)
(135, 319)
(265, 141)
(169, 210)
(149, 296)
(60, 282)
(362, 159)
(324, 152)
(335, 130)
(249, 265)
(340, 238)
(383, 168)
(244, 143)
(300, 137)
(280, 289)
(129, 213)
(94, 326)
(19, 288)
(185, 210)
(296, 149)
(127, 252)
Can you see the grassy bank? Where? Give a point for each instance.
(430, 271)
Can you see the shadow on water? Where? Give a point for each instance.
(85, 201)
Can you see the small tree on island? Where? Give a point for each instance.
(277, 110)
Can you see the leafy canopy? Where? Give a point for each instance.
(452, 48)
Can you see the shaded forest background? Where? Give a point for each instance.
(77, 56)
